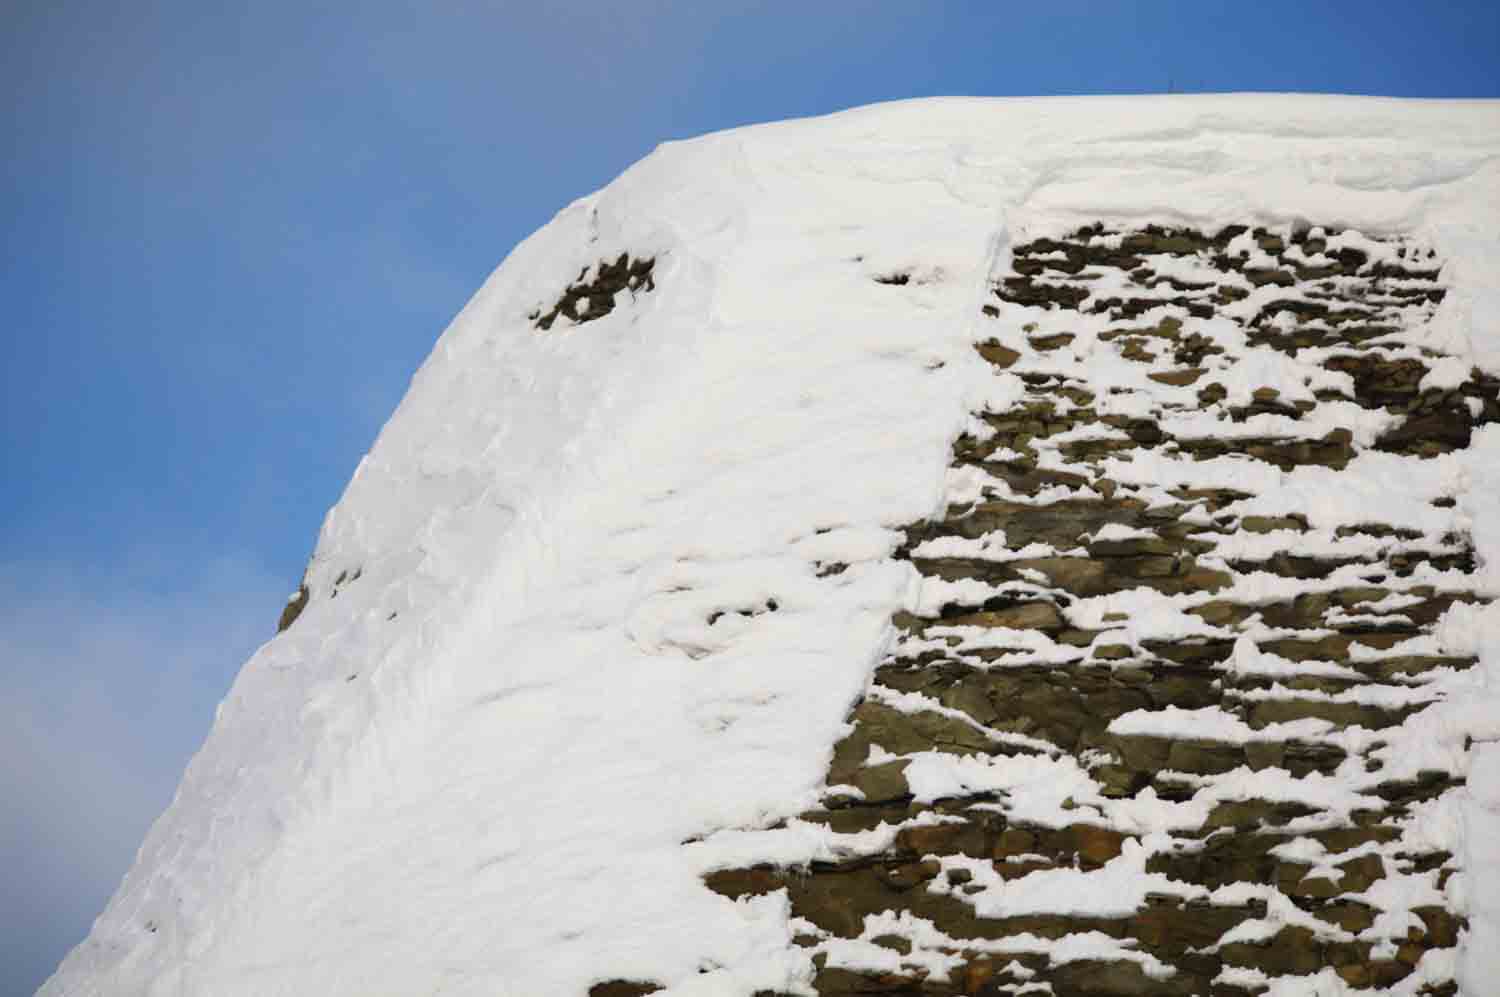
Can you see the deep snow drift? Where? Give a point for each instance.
(567, 617)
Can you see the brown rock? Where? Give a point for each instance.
(1052, 342)
(944, 839)
(1014, 841)
(1022, 616)
(1442, 926)
(1095, 845)
(883, 782)
(1358, 874)
(1350, 915)
(1268, 524)
(995, 353)
(1093, 978)
(736, 883)
(905, 876)
(293, 608)
(1293, 950)
(624, 988)
(1180, 378)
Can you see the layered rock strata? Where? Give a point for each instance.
(1166, 716)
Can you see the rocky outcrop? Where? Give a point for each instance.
(301, 598)
(592, 295)
(1164, 720)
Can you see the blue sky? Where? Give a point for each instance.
(232, 232)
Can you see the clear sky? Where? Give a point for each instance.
(232, 232)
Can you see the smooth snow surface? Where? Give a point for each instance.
(580, 620)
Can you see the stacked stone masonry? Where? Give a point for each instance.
(1185, 691)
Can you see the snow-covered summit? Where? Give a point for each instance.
(592, 614)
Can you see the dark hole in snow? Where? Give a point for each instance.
(894, 279)
(344, 578)
(769, 606)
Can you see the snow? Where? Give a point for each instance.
(500, 760)
(1211, 723)
(931, 948)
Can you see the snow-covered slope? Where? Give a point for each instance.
(575, 612)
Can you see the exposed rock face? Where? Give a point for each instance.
(592, 295)
(293, 608)
(304, 595)
(1196, 685)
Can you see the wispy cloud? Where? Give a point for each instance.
(107, 693)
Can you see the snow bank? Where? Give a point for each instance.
(576, 607)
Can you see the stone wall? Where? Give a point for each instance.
(1156, 728)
